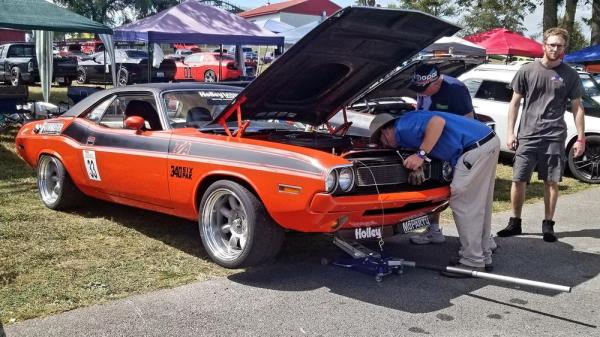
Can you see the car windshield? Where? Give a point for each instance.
(590, 85)
(193, 108)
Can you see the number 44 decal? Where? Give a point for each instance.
(89, 159)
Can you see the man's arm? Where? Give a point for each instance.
(513, 110)
(433, 131)
(578, 115)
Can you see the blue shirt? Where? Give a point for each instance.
(459, 132)
(453, 97)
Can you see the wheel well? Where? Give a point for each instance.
(206, 182)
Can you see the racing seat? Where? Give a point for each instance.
(197, 117)
(144, 110)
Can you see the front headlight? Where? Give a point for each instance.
(447, 171)
(346, 179)
(330, 182)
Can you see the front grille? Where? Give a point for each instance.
(381, 175)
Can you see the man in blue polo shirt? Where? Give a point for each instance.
(472, 149)
(437, 92)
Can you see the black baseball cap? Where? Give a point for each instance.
(424, 75)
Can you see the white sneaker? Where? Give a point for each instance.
(427, 237)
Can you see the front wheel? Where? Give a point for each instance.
(123, 77)
(81, 75)
(15, 76)
(587, 167)
(235, 228)
(56, 188)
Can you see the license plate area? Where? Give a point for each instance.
(160, 74)
(413, 224)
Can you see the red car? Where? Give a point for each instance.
(204, 67)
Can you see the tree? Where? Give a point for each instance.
(482, 15)
(595, 23)
(550, 18)
(568, 21)
(576, 39)
(434, 7)
(103, 11)
(144, 8)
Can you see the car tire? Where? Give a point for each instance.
(15, 76)
(210, 76)
(235, 229)
(587, 167)
(123, 77)
(66, 83)
(55, 187)
(81, 76)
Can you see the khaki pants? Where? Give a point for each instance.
(471, 197)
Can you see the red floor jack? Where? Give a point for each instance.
(368, 261)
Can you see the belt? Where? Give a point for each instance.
(480, 142)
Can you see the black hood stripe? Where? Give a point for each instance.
(80, 133)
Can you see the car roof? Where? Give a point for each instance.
(156, 88)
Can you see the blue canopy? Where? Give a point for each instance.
(586, 55)
(193, 22)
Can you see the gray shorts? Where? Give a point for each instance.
(547, 157)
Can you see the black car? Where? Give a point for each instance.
(132, 67)
(18, 65)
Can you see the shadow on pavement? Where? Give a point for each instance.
(2, 334)
(422, 291)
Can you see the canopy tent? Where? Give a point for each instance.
(193, 22)
(276, 26)
(454, 45)
(590, 54)
(44, 17)
(501, 41)
(294, 35)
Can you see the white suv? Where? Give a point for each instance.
(489, 86)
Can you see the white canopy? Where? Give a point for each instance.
(459, 47)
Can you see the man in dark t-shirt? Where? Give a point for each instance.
(546, 85)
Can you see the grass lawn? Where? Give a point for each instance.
(56, 261)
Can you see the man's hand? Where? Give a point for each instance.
(511, 141)
(579, 148)
(413, 162)
(416, 177)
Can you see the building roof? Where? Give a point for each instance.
(309, 7)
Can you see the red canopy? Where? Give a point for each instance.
(501, 41)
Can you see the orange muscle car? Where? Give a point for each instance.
(249, 164)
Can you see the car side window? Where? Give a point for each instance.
(472, 85)
(494, 91)
(15, 51)
(128, 105)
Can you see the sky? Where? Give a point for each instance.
(533, 21)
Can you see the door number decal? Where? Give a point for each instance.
(89, 159)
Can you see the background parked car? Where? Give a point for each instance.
(205, 67)
(18, 65)
(132, 67)
(71, 50)
(489, 86)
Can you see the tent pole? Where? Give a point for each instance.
(149, 61)
(220, 60)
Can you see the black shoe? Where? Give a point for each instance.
(455, 260)
(463, 266)
(513, 228)
(548, 230)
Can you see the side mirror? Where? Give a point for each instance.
(134, 123)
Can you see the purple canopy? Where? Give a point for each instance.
(193, 22)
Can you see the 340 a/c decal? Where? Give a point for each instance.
(181, 172)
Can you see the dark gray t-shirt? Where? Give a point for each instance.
(546, 92)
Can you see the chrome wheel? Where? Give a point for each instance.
(123, 77)
(587, 167)
(224, 225)
(81, 76)
(50, 180)
(210, 76)
(15, 76)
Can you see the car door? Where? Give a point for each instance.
(492, 98)
(127, 163)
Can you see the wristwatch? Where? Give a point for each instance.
(423, 155)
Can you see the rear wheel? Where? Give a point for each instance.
(56, 188)
(235, 228)
(210, 76)
(81, 76)
(123, 77)
(15, 76)
(587, 167)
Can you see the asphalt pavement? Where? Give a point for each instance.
(291, 298)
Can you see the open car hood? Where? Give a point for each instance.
(397, 82)
(335, 62)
